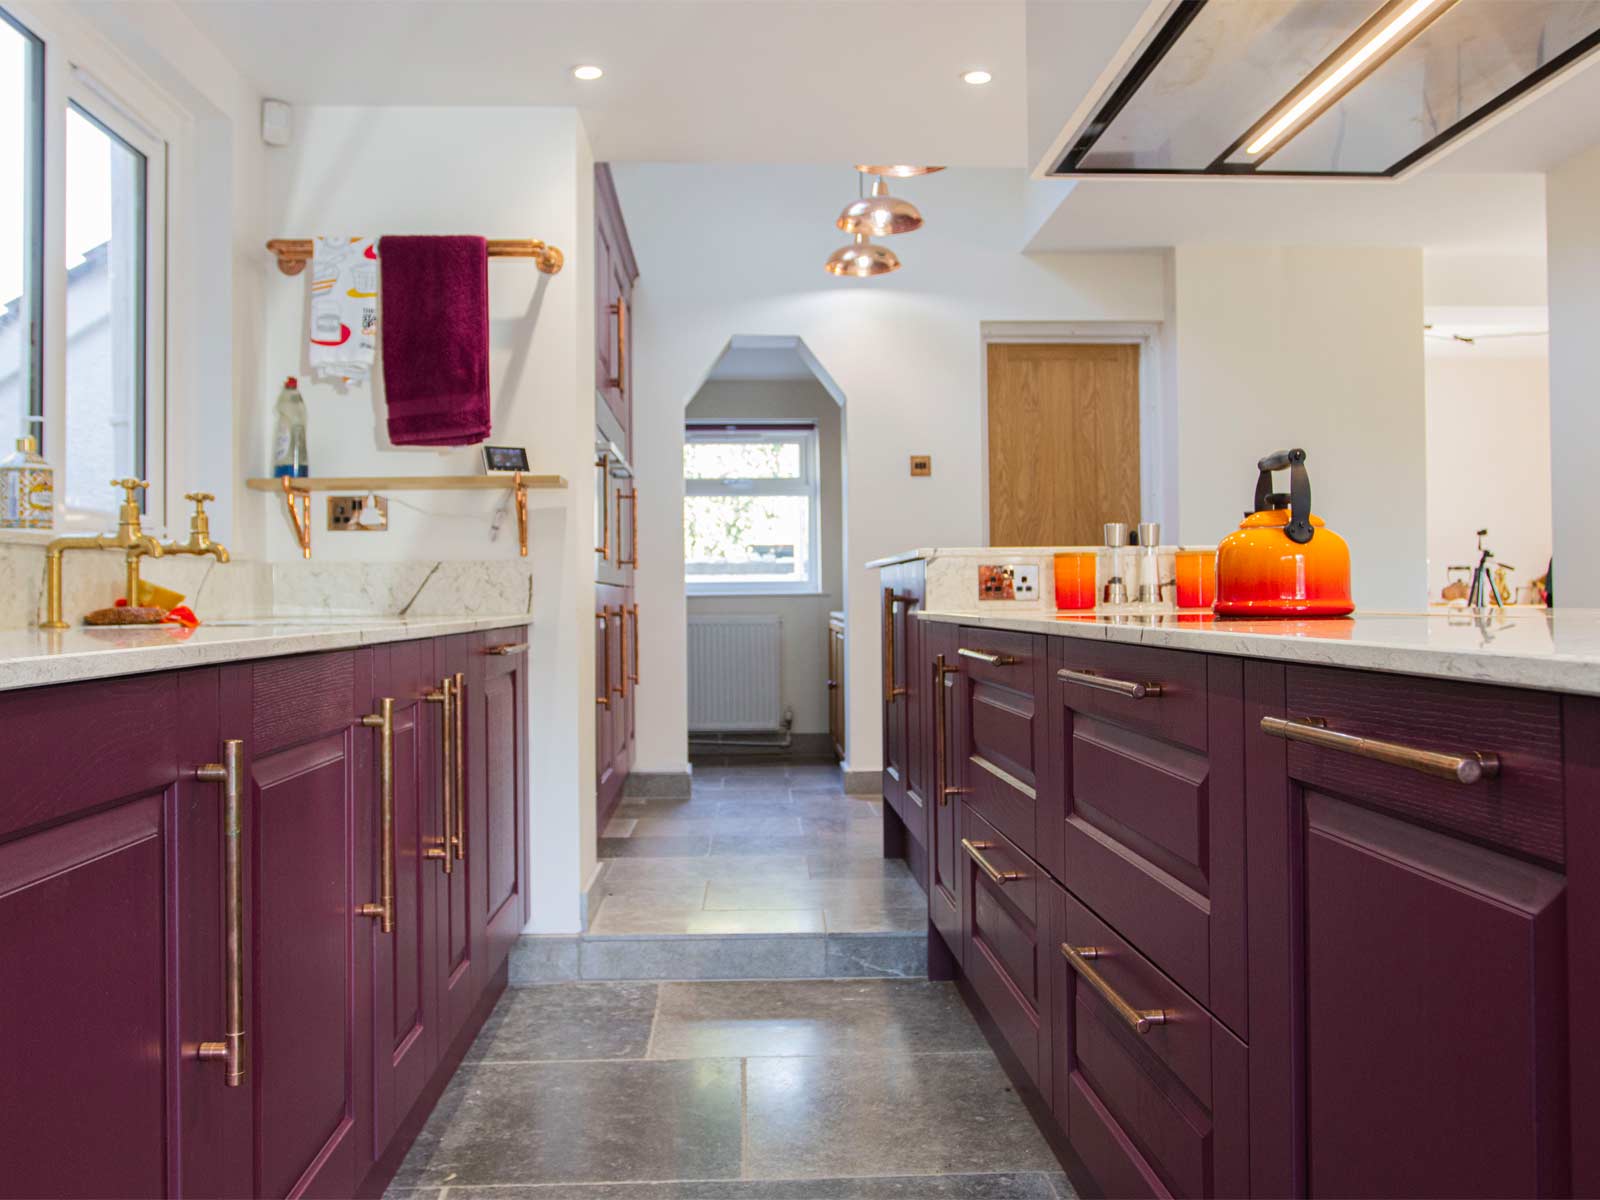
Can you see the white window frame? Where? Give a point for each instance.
(809, 484)
(79, 69)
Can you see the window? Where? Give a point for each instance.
(82, 367)
(750, 508)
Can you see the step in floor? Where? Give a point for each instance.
(763, 872)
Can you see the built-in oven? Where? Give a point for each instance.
(616, 514)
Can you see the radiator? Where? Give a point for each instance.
(734, 674)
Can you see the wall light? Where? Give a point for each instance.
(976, 77)
(587, 72)
(1390, 28)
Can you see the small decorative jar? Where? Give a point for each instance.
(27, 493)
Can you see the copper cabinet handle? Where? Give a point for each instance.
(460, 839)
(1140, 1019)
(889, 601)
(506, 648)
(444, 696)
(383, 722)
(632, 497)
(230, 773)
(941, 750)
(634, 674)
(604, 617)
(1471, 767)
(1104, 683)
(603, 465)
(620, 308)
(619, 688)
(975, 852)
(983, 656)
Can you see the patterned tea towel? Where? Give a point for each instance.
(344, 309)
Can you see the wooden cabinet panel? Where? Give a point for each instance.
(615, 273)
(1176, 713)
(613, 743)
(458, 973)
(835, 684)
(1580, 729)
(1004, 940)
(1434, 1000)
(496, 739)
(945, 857)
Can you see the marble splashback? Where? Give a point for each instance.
(94, 579)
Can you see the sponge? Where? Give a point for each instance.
(153, 595)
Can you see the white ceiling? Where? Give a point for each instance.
(834, 81)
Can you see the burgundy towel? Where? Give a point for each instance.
(435, 328)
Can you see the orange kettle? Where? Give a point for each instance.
(1283, 561)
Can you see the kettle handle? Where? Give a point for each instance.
(1299, 527)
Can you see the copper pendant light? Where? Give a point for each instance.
(880, 214)
(896, 170)
(862, 259)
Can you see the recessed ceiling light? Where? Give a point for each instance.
(976, 77)
(586, 72)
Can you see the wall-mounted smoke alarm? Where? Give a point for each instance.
(277, 122)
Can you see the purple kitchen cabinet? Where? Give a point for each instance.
(111, 945)
(497, 779)
(458, 974)
(946, 860)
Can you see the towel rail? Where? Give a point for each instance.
(294, 254)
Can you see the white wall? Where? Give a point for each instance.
(739, 250)
(1572, 195)
(1313, 347)
(499, 172)
(1488, 417)
(805, 618)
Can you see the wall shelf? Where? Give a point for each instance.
(296, 493)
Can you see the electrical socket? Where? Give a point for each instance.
(1025, 581)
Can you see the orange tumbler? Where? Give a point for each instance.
(1197, 578)
(1075, 581)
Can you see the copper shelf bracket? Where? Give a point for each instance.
(522, 513)
(299, 505)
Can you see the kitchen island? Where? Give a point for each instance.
(1265, 908)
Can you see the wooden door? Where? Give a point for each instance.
(1063, 442)
(836, 687)
(497, 751)
(111, 944)
(312, 857)
(404, 1024)
(458, 977)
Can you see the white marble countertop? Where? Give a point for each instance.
(995, 552)
(36, 657)
(1553, 651)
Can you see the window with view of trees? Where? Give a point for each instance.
(750, 508)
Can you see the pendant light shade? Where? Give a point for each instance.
(895, 170)
(880, 214)
(862, 259)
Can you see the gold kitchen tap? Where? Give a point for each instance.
(130, 538)
(199, 532)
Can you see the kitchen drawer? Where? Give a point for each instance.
(1171, 703)
(1157, 1113)
(1005, 941)
(1003, 764)
(1520, 810)
(1153, 832)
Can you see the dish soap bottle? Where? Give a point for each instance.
(289, 446)
(27, 496)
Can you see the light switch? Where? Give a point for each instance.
(922, 464)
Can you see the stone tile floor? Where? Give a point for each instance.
(758, 849)
(768, 1090)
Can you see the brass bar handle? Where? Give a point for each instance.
(444, 696)
(460, 839)
(1471, 767)
(889, 689)
(603, 465)
(230, 773)
(975, 852)
(632, 497)
(941, 752)
(983, 656)
(506, 648)
(1140, 1019)
(1104, 683)
(619, 688)
(633, 676)
(383, 722)
(620, 308)
(604, 617)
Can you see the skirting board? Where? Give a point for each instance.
(656, 785)
(863, 783)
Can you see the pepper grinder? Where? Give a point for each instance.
(1116, 588)
(1149, 562)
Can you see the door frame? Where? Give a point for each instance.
(1157, 499)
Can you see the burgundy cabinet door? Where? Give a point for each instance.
(457, 973)
(404, 1020)
(497, 741)
(893, 668)
(1004, 750)
(111, 945)
(610, 745)
(945, 856)
(312, 859)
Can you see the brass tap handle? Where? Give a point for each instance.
(130, 486)
(198, 499)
